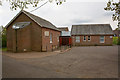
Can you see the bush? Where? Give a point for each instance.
(118, 41)
(0, 41)
(115, 40)
(3, 41)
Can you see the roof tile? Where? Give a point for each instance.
(91, 29)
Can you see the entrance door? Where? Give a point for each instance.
(65, 40)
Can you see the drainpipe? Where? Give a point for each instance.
(16, 30)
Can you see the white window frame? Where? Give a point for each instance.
(46, 33)
(102, 41)
(77, 39)
(90, 38)
(111, 36)
(83, 38)
(51, 37)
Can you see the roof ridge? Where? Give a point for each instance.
(62, 27)
(89, 24)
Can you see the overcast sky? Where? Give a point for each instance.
(72, 12)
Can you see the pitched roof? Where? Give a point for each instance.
(63, 28)
(38, 20)
(92, 29)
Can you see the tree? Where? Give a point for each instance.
(24, 3)
(3, 41)
(114, 6)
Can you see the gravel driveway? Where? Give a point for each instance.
(79, 62)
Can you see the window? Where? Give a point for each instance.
(84, 38)
(119, 35)
(58, 38)
(46, 33)
(77, 38)
(102, 39)
(115, 35)
(111, 36)
(89, 38)
(51, 38)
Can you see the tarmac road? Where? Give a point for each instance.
(13, 68)
(79, 62)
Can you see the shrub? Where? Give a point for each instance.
(115, 40)
(118, 41)
(3, 40)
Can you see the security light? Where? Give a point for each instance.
(20, 25)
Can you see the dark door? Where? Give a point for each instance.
(65, 40)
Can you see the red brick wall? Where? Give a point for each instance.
(23, 39)
(9, 39)
(31, 38)
(36, 34)
(28, 38)
(46, 45)
(95, 40)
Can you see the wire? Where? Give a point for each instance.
(40, 6)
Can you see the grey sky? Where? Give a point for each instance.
(70, 13)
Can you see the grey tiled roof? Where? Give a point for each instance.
(38, 20)
(42, 22)
(92, 29)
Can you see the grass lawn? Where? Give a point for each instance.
(3, 49)
(115, 40)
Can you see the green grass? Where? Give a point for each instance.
(115, 40)
(3, 49)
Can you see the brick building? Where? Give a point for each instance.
(63, 28)
(65, 37)
(27, 32)
(92, 34)
(116, 33)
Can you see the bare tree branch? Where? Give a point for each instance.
(15, 4)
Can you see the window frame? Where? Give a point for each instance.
(46, 33)
(84, 38)
(102, 39)
(58, 38)
(90, 38)
(77, 40)
(51, 39)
